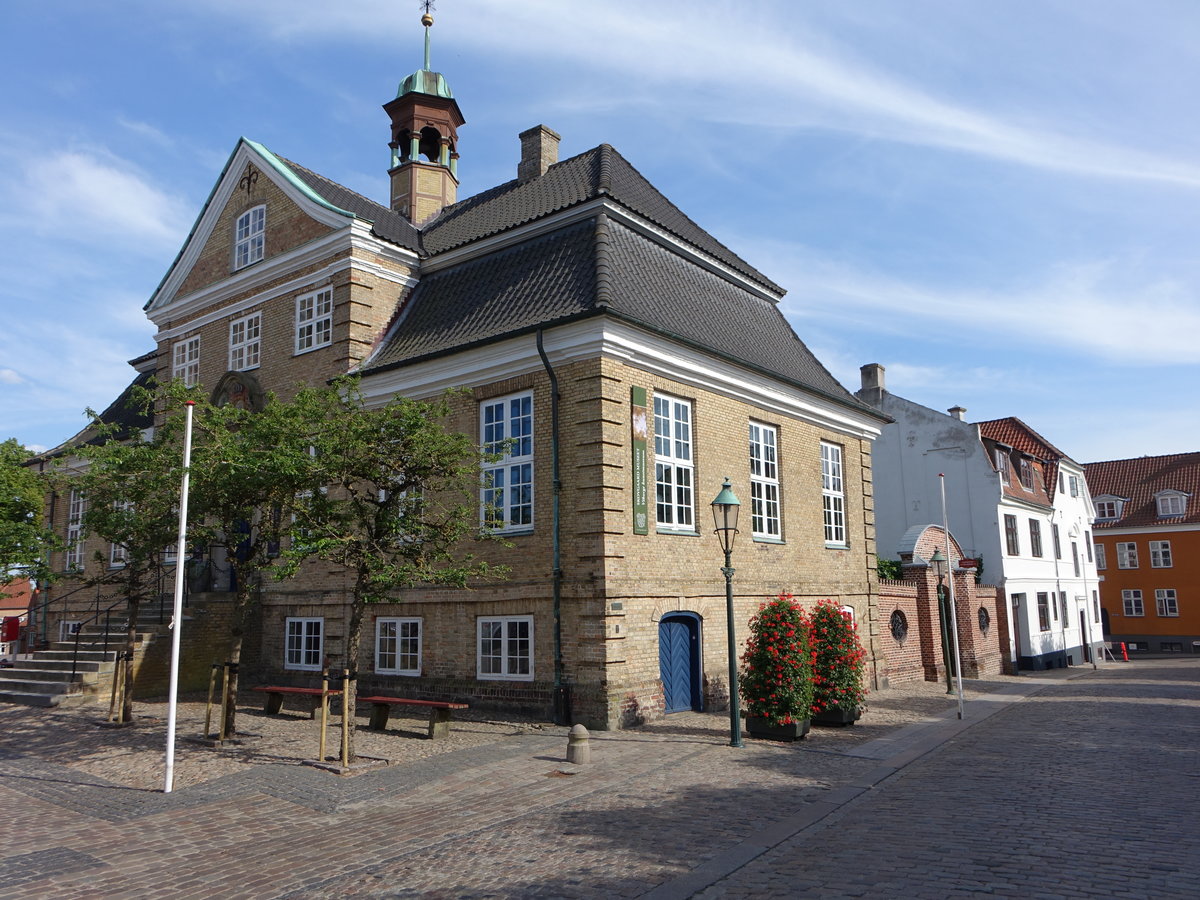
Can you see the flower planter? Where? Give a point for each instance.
(761, 727)
(837, 717)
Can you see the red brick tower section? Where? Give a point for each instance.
(425, 122)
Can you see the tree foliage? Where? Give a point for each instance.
(25, 541)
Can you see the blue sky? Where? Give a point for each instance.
(996, 200)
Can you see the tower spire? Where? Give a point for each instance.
(427, 21)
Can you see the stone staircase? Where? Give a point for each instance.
(46, 679)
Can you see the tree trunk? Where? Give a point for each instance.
(133, 605)
(237, 635)
(353, 636)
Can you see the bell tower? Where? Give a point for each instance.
(425, 121)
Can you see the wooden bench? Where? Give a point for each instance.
(440, 712)
(275, 695)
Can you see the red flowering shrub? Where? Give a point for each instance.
(838, 659)
(776, 675)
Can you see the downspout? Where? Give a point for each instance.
(562, 693)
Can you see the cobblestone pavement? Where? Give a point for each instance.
(1085, 787)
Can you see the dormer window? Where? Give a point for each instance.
(248, 237)
(1171, 503)
(1002, 462)
(1109, 508)
(1026, 473)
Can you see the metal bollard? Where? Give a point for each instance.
(579, 750)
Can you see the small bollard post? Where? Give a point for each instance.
(579, 750)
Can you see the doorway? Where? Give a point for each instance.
(679, 662)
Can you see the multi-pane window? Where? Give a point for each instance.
(248, 239)
(1101, 557)
(505, 648)
(1173, 504)
(1075, 557)
(1165, 602)
(76, 507)
(1095, 606)
(398, 646)
(185, 361)
(1035, 537)
(1043, 605)
(1057, 540)
(506, 432)
(1011, 537)
(314, 320)
(1132, 602)
(1108, 509)
(1127, 555)
(1160, 554)
(1026, 473)
(1087, 544)
(245, 342)
(1074, 482)
(1062, 602)
(833, 494)
(1001, 457)
(304, 642)
(118, 556)
(673, 462)
(764, 481)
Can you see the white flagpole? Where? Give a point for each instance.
(950, 566)
(177, 615)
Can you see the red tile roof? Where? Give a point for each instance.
(1012, 432)
(1140, 479)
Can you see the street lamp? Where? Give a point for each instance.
(725, 517)
(940, 569)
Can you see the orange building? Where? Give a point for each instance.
(1147, 536)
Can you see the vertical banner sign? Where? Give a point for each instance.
(640, 430)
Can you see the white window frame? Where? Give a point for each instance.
(833, 495)
(1160, 555)
(506, 665)
(506, 496)
(245, 342)
(1131, 603)
(1127, 555)
(1166, 602)
(674, 464)
(396, 625)
(1171, 504)
(1073, 481)
(1012, 535)
(68, 628)
(765, 520)
(1002, 463)
(1109, 508)
(76, 507)
(1025, 473)
(118, 555)
(1101, 557)
(185, 361)
(298, 655)
(314, 320)
(249, 236)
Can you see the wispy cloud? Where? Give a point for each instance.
(9, 376)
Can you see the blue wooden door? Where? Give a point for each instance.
(679, 662)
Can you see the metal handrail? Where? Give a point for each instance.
(79, 631)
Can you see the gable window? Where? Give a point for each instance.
(314, 320)
(1131, 601)
(248, 240)
(398, 646)
(833, 496)
(1127, 555)
(1043, 605)
(1109, 509)
(1075, 557)
(76, 507)
(505, 648)
(304, 643)
(185, 361)
(1165, 602)
(1160, 554)
(1087, 544)
(673, 463)
(1010, 535)
(1060, 482)
(1026, 473)
(1074, 482)
(1035, 537)
(1057, 540)
(245, 342)
(764, 482)
(1171, 504)
(506, 430)
(1101, 557)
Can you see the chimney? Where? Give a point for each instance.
(539, 151)
(959, 412)
(872, 382)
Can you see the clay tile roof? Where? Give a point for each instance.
(1012, 432)
(1140, 479)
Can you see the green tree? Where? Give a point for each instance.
(394, 501)
(25, 541)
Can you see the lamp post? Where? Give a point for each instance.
(725, 517)
(938, 561)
